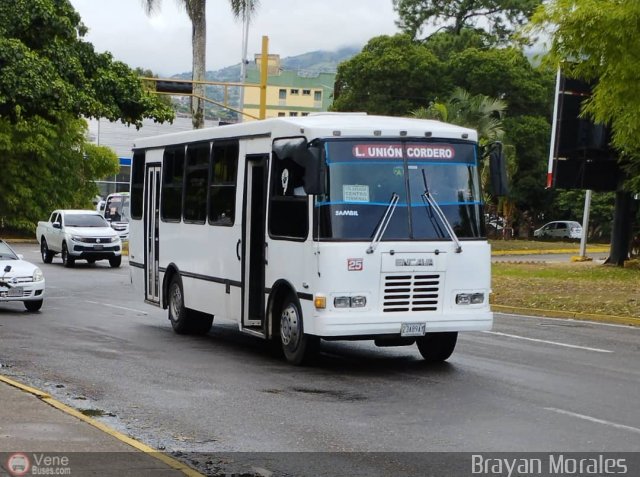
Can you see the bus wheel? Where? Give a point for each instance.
(183, 320)
(437, 347)
(298, 347)
(177, 311)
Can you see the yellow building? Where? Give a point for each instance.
(288, 92)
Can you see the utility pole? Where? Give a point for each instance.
(245, 61)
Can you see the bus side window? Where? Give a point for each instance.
(222, 190)
(288, 217)
(196, 176)
(172, 184)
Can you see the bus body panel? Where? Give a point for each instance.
(465, 272)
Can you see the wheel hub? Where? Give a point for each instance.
(290, 327)
(176, 302)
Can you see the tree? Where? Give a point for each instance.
(392, 75)
(498, 17)
(598, 40)
(45, 165)
(47, 69)
(49, 79)
(196, 9)
(505, 73)
(479, 112)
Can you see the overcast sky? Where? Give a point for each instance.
(162, 42)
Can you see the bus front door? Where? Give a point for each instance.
(253, 238)
(151, 238)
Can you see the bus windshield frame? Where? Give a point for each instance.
(362, 175)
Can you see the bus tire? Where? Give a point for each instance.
(67, 261)
(178, 314)
(298, 347)
(183, 320)
(437, 347)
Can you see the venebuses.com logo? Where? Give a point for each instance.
(18, 464)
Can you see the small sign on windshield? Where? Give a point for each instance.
(355, 193)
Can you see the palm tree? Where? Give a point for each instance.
(479, 112)
(196, 9)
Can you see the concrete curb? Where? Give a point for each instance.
(574, 315)
(46, 398)
(498, 253)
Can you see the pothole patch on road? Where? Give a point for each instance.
(331, 393)
(323, 393)
(96, 413)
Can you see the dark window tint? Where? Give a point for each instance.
(222, 192)
(172, 180)
(84, 220)
(196, 178)
(288, 215)
(137, 184)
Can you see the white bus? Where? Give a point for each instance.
(325, 227)
(116, 212)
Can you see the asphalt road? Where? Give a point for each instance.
(531, 384)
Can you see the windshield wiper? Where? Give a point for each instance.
(440, 214)
(384, 222)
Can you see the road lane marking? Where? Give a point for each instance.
(555, 343)
(119, 307)
(571, 320)
(594, 419)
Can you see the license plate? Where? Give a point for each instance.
(413, 329)
(15, 291)
(98, 247)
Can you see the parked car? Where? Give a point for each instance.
(78, 235)
(560, 229)
(19, 279)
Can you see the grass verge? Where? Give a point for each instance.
(568, 288)
(542, 245)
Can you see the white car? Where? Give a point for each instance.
(560, 229)
(19, 279)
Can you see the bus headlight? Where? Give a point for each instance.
(350, 301)
(469, 298)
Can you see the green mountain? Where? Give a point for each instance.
(306, 64)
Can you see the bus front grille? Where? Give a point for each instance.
(404, 293)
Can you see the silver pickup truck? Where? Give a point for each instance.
(78, 235)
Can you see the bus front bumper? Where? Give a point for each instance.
(367, 326)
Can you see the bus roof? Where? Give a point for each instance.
(320, 125)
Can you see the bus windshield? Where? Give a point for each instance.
(117, 208)
(363, 176)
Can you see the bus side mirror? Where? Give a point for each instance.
(498, 171)
(308, 157)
